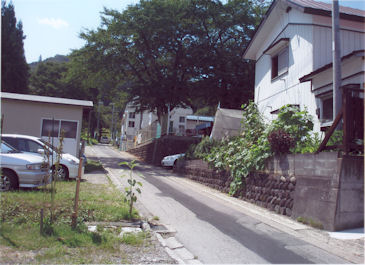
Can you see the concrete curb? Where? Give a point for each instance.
(172, 246)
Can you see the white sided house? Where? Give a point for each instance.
(44, 117)
(134, 121)
(293, 45)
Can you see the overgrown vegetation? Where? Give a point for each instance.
(20, 217)
(289, 133)
(92, 165)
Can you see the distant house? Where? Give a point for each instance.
(43, 117)
(293, 45)
(134, 122)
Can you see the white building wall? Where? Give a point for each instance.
(322, 41)
(142, 121)
(310, 48)
(271, 94)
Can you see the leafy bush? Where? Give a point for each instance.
(204, 147)
(280, 141)
(290, 132)
(297, 123)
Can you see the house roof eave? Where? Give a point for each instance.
(311, 75)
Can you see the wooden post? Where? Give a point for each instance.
(76, 206)
(41, 222)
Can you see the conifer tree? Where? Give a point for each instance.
(14, 69)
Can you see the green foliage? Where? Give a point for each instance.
(92, 165)
(239, 154)
(20, 217)
(336, 138)
(297, 123)
(310, 221)
(134, 239)
(134, 186)
(172, 53)
(14, 69)
(204, 147)
(249, 151)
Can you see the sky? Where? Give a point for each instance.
(52, 27)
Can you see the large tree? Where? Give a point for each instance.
(14, 69)
(168, 53)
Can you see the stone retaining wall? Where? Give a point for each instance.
(324, 189)
(275, 192)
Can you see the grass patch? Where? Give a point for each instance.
(59, 243)
(92, 165)
(310, 222)
(135, 239)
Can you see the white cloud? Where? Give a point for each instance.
(56, 23)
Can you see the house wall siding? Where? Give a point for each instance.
(25, 117)
(271, 94)
(322, 44)
(310, 48)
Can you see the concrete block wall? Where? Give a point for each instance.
(350, 201)
(324, 189)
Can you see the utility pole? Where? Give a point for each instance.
(97, 126)
(168, 120)
(336, 58)
(112, 130)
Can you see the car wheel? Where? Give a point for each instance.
(8, 181)
(62, 173)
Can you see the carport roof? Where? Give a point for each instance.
(52, 100)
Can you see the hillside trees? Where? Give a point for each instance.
(14, 69)
(168, 53)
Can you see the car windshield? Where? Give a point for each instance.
(6, 149)
(53, 148)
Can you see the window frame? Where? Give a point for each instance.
(131, 124)
(277, 72)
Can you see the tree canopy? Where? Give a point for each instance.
(14, 69)
(168, 53)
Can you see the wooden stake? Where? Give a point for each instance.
(76, 206)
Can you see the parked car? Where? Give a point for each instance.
(69, 164)
(169, 161)
(19, 169)
(104, 139)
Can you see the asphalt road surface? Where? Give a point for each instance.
(214, 230)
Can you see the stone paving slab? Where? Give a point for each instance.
(172, 243)
(183, 253)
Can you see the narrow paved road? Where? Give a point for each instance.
(214, 230)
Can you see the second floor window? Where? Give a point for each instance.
(280, 63)
(132, 115)
(182, 119)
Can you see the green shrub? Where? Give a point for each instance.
(297, 123)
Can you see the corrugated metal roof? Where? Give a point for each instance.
(200, 118)
(52, 100)
(307, 6)
(328, 7)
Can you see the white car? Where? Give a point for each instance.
(104, 139)
(69, 165)
(169, 161)
(21, 170)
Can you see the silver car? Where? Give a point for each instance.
(169, 161)
(21, 170)
(69, 165)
